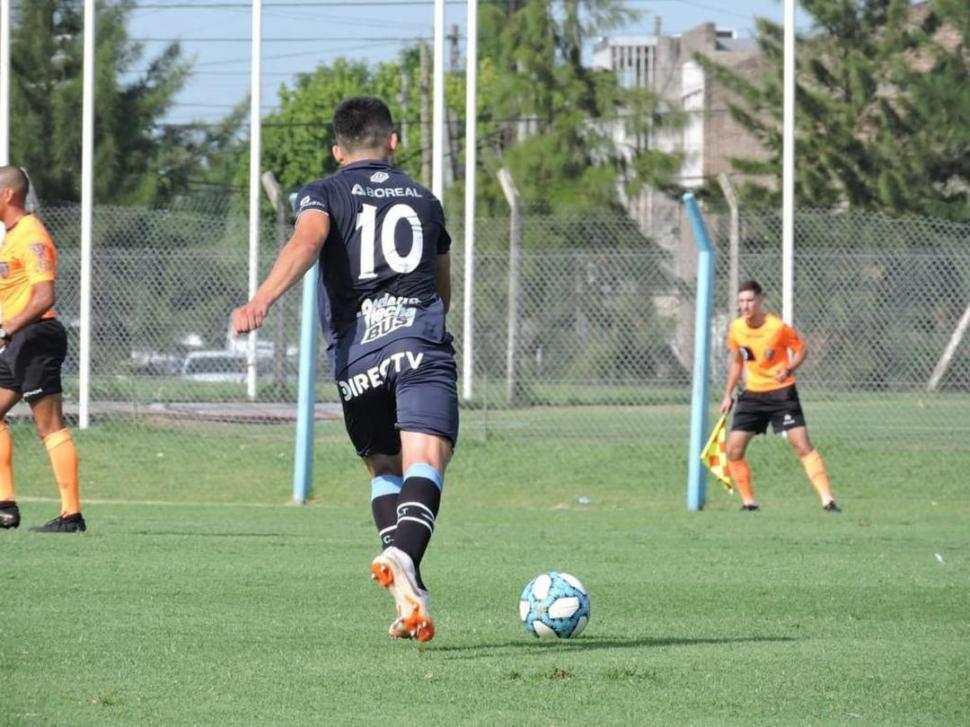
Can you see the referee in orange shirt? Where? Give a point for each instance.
(768, 351)
(33, 344)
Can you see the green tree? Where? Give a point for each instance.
(541, 112)
(881, 102)
(551, 119)
(134, 162)
(298, 137)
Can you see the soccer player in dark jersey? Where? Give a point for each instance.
(384, 291)
(33, 344)
(767, 350)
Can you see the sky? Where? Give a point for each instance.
(298, 35)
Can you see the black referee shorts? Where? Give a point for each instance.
(755, 409)
(30, 363)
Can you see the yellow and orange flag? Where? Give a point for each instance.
(714, 454)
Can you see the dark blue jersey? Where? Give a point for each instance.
(377, 267)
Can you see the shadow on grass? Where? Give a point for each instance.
(478, 651)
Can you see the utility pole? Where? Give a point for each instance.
(402, 100)
(456, 168)
(425, 113)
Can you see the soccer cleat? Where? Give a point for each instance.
(831, 507)
(749, 508)
(394, 570)
(9, 514)
(399, 630)
(63, 524)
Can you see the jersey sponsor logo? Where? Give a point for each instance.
(746, 353)
(375, 376)
(383, 192)
(4, 269)
(387, 314)
(43, 259)
(378, 177)
(308, 203)
(769, 354)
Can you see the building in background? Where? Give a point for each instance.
(710, 137)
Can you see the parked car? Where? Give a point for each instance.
(215, 367)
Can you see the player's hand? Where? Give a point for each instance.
(782, 375)
(248, 317)
(727, 404)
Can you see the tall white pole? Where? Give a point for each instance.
(438, 102)
(471, 142)
(87, 214)
(4, 82)
(255, 162)
(788, 169)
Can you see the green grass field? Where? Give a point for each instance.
(199, 596)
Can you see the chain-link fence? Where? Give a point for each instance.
(601, 345)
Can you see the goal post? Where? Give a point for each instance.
(700, 394)
(306, 397)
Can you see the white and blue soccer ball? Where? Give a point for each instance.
(554, 606)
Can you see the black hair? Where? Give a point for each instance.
(753, 285)
(362, 122)
(16, 179)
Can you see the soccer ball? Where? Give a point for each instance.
(554, 606)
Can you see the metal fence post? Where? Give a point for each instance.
(696, 476)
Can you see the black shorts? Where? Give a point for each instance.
(755, 409)
(30, 363)
(409, 385)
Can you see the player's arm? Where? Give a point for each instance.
(297, 256)
(796, 345)
(42, 299)
(442, 280)
(735, 367)
(798, 357)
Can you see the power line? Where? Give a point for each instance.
(379, 39)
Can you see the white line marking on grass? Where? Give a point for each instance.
(162, 503)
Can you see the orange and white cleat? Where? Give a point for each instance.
(394, 570)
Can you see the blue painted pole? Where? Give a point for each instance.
(700, 402)
(306, 400)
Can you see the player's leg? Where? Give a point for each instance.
(385, 486)
(398, 568)
(42, 354)
(49, 423)
(427, 416)
(814, 466)
(738, 468)
(790, 419)
(9, 511)
(751, 416)
(425, 457)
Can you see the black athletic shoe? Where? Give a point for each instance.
(832, 507)
(9, 514)
(63, 524)
(750, 508)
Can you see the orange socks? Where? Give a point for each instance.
(815, 469)
(6, 464)
(61, 450)
(741, 476)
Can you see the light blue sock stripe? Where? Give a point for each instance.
(385, 485)
(420, 469)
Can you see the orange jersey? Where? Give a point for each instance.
(27, 257)
(765, 351)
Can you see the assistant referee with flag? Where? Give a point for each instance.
(768, 351)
